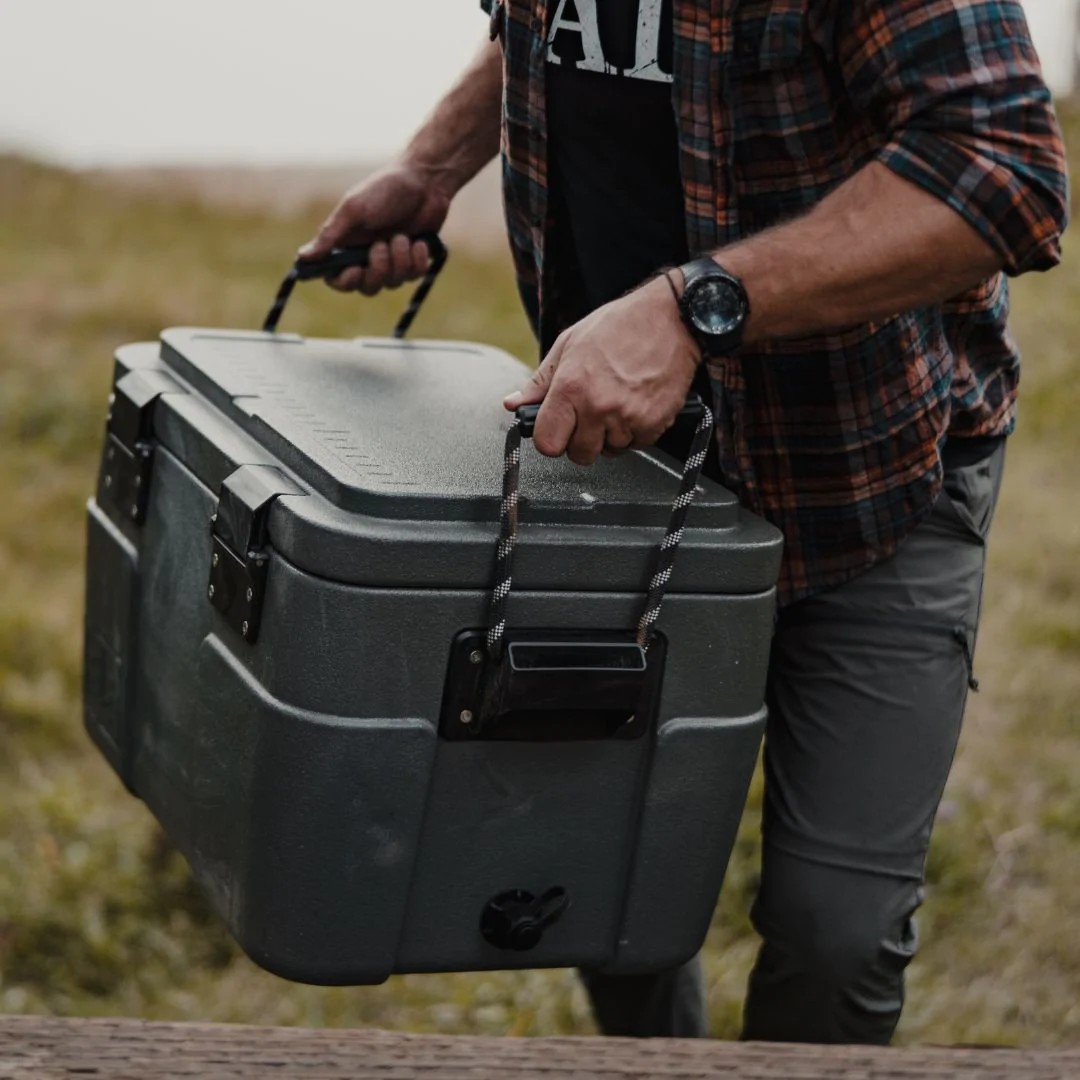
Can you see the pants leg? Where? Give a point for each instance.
(669, 1003)
(867, 686)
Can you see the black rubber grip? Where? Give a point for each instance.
(527, 414)
(342, 258)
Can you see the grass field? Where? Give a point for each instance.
(98, 917)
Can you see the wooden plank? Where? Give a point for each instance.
(48, 1048)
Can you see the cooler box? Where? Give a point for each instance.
(291, 560)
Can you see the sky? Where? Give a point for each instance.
(110, 82)
(114, 82)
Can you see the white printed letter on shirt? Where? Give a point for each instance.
(647, 62)
(589, 29)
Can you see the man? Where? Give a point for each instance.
(832, 189)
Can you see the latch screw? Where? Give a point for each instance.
(466, 716)
(212, 588)
(476, 657)
(216, 559)
(250, 595)
(244, 629)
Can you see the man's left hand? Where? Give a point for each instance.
(614, 381)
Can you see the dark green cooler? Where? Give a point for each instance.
(291, 557)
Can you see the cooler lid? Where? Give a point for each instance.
(413, 430)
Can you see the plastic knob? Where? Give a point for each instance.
(526, 935)
(516, 919)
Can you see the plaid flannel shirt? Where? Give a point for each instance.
(835, 438)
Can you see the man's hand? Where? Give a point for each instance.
(398, 202)
(614, 381)
(413, 195)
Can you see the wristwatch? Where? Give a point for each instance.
(714, 306)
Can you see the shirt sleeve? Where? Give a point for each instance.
(958, 87)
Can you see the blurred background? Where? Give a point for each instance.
(159, 163)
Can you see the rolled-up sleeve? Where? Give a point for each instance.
(958, 88)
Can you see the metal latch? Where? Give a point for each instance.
(238, 532)
(124, 480)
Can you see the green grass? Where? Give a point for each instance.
(98, 916)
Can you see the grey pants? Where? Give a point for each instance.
(866, 692)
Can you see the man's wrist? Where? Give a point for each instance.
(439, 175)
(675, 275)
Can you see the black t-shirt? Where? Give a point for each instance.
(613, 161)
(613, 158)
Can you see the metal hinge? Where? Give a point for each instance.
(238, 533)
(124, 480)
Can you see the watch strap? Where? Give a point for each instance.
(699, 268)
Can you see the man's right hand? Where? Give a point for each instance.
(384, 211)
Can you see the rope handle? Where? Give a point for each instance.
(522, 427)
(340, 259)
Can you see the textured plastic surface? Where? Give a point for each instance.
(408, 429)
(230, 419)
(303, 775)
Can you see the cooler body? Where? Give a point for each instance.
(288, 584)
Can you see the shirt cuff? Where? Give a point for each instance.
(1020, 220)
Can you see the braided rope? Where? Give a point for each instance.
(669, 546)
(273, 316)
(508, 530)
(438, 259)
(665, 557)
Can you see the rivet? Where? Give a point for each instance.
(476, 657)
(111, 455)
(108, 481)
(250, 595)
(138, 481)
(466, 716)
(244, 629)
(216, 559)
(211, 591)
(134, 511)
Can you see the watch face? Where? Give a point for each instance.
(716, 307)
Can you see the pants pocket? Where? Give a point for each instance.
(969, 494)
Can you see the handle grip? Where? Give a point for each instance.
(340, 259)
(527, 414)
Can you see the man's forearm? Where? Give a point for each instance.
(876, 246)
(462, 133)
